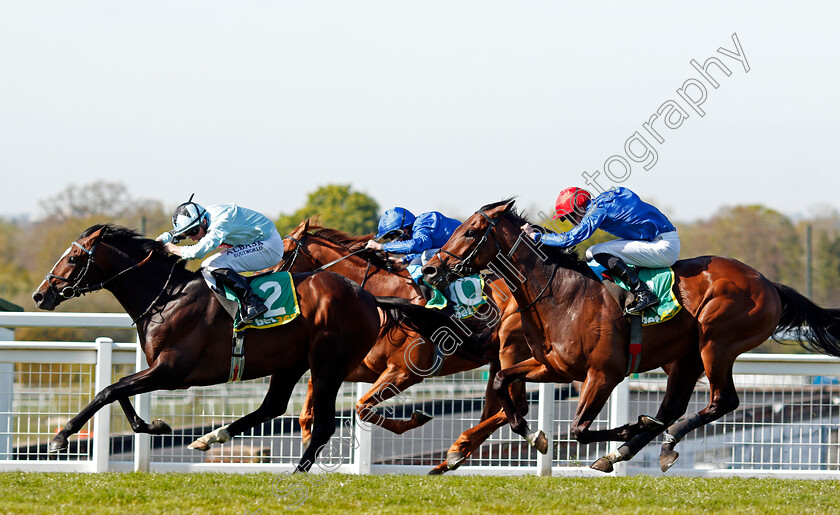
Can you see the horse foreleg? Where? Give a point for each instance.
(469, 441)
(594, 394)
(138, 425)
(274, 404)
(492, 418)
(529, 370)
(324, 392)
(154, 378)
(391, 383)
(305, 418)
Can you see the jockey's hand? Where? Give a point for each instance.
(396, 259)
(529, 230)
(172, 248)
(373, 245)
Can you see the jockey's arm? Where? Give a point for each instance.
(586, 228)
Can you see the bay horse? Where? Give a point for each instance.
(186, 334)
(577, 332)
(399, 360)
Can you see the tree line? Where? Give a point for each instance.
(765, 239)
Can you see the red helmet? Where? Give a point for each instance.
(571, 200)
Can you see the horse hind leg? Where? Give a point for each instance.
(724, 399)
(273, 405)
(682, 377)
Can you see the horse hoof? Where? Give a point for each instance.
(602, 465)
(667, 459)
(538, 441)
(198, 445)
(57, 444)
(436, 472)
(421, 417)
(649, 422)
(159, 427)
(454, 460)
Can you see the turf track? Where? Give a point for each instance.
(241, 494)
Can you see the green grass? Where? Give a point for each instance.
(338, 493)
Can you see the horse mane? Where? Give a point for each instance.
(351, 243)
(130, 241)
(566, 257)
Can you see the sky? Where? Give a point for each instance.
(427, 105)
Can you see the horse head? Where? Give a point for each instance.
(468, 250)
(90, 263)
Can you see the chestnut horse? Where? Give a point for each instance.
(577, 332)
(399, 359)
(186, 334)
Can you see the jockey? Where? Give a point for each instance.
(418, 238)
(647, 238)
(250, 239)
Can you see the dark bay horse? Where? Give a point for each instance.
(186, 334)
(577, 332)
(399, 360)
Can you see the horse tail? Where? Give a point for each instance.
(815, 328)
(399, 311)
(434, 326)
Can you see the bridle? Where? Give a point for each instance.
(78, 289)
(465, 268)
(299, 248)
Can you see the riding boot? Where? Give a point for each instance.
(252, 305)
(643, 298)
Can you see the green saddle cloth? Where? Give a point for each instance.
(661, 283)
(277, 290)
(466, 295)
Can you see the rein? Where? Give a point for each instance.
(299, 248)
(159, 295)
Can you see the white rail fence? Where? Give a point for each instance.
(788, 423)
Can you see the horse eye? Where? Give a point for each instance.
(72, 260)
(470, 233)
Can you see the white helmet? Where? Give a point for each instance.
(187, 218)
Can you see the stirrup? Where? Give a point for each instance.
(642, 302)
(255, 311)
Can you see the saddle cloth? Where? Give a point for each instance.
(661, 283)
(466, 295)
(277, 290)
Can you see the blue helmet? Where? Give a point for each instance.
(394, 220)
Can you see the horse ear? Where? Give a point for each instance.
(509, 205)
(96, 234)
(305, 224)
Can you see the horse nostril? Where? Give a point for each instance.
(38, 297)
(429, 270)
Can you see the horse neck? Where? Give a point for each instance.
(378, 282)
(139, 288)
(535, 268)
